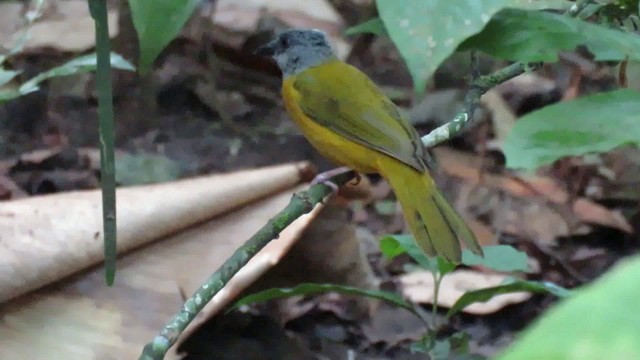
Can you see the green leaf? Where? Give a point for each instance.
(425, 344)
(516, 285)
(390, 247)
(145, 169)
(81, 64)
(157, 22)
(372, 26)
(498, 257)
(312, 289)
(7, 75)
(426, 32)
(6, 95)
(530, 36)
(599, 321)
(445, 266)
(441, 350)
(454, 347)
(590, 124)
(407, 243)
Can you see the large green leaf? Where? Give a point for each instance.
(426, 32)
(157, 22)
(530, 36)
(516, 285)
(312, 289)
(589, 124)
(600, 321)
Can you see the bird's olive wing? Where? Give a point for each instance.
(343, 99)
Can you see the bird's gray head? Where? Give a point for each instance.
(298, 49)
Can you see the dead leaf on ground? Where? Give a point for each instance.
(393, 326)
(589, 211)
(149, 280)
(9, 190)
(483, 233)
(65, 26)
(47, 237)
(58, 157)
(437, 108)
(331, 251)
(418, 287)
(502, 116)
(54, 181)
(90, 157)
(551, 199)
(244, 16)
(528, 91)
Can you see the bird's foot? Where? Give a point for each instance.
(325, 178)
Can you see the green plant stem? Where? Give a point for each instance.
(471, 100)
(300, 204)
(98, 9)
(437, 280)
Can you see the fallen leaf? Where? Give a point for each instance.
(483, 233)
(54, 181)
(244, 16)
(67, 26)
(10, 190)
(529, 189)
(392, 326)
(50, 322)
(45, 238)
(418, 287)
(502, 115)
(591, 212)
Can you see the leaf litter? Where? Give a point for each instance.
(571, 217)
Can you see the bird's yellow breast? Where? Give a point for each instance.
(330, 144)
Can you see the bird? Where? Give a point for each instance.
(351, 122)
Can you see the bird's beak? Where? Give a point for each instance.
(267, 49)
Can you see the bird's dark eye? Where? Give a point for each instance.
(284, 41)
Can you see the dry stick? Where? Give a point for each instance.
(302, 203)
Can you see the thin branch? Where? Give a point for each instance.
(305, 201)
(300, 204)
(481, 85)
(478, 87)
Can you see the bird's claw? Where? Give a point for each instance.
(325, 179)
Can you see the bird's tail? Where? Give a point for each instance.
(434, 223)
